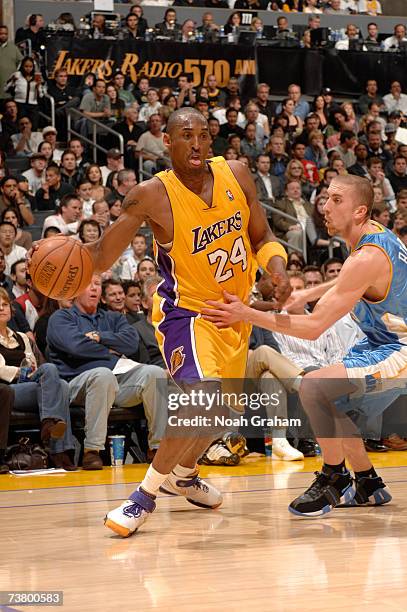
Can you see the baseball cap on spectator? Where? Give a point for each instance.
(114, 153)
(326, 91)
(390, 128)
(49, 130)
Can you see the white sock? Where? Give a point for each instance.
(153, 480)
(182, 471)
(278, 432)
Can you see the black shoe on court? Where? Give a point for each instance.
(369, 492)
(328, 490)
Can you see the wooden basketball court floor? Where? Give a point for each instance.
(250, 554)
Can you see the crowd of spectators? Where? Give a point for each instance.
(293, 147)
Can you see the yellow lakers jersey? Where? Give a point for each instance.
(211, 251)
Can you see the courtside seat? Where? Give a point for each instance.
(117, 415)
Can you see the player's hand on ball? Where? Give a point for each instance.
(28, 256)
(225, 314)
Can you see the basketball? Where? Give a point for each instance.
(61, 267)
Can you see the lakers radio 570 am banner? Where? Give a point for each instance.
(162, 62)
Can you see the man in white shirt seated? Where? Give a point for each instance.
(395, 100)
(392, 43)
(12, 252)
(36, 174)
(68, 217)
(26, 142)
(352, 33)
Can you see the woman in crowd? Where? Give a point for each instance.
(318, 107)
(26, 88)
(231, 153)
(295, 261)
(233, 23)
(94, 176)
(42, 390)
(117, 105)
(317, 234)
(257, 26)
(295, 123)
(153, 105)
(111, 181)
(295, 171)
(170, 102)
(352, 121)
(115, 207)
(163, 93)
(89, 230)
(46, 149)
(316, 151)
(13, 215)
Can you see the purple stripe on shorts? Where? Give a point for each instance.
(178, 348)
(166, 289)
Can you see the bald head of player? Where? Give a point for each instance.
(188, 141)
(349, 205)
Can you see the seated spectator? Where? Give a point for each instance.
(6, 282)
(101, 214)
(11, 59)
(351, 33)
(334, 8)
(36, 175)
(294, 205)
(124, 94)
(347, 143)
(398, 175)
(65, 97)
(402, 200)
(375, 145)
(132, 301)
(319, 109)
(85, 344)
(370, 7)
(315, 151)
(146, 267)
(99, 27)
(126, 180)
(278, 157)
(392, 43)
(152, 106)
(18, 274)
(378, 179)
(26, 88)
(296, 172)
(113, 296)
(95, 105)
(311, 7)
(84, 193)
(13, 215)
(219, 144)
(26, 142)
(310, 168)
(399, 222)
(131, 262)
(31, 303)
(140, 90)
(132, 29)
(69, 172)
(317, 234)
(50, 134)
(50, 195)
(250, 146)
(93, 174)
(231, 126)
(11, 251)
(45, 148)
(184, 92)
(331, 268)
(301, 108)
(9, 123)
(268, 186)
(395, 100)
(114, 163)
(77, 148)
(67, 217)
(89, 231)
(169, 26)
(115, 207)
(295, 261)
(371, 95)
(359, 168)
(151, 147)
(43, 392)
(131, 131)
(381, 214)
(11, 197)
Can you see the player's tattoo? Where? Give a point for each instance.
(129, 203)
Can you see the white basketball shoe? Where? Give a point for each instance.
(194, 489)
(283, 451)
(131, 514)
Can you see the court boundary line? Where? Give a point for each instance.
(99, 501)
(114, 484)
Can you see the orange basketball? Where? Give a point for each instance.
(61, 267)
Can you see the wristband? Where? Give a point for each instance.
(269, 250)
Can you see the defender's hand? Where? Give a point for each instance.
(225, 314)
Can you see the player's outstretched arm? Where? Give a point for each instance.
(270, 254)
(358, 274)
(116, 238)
(300, 298)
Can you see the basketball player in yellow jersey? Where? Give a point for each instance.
(207, 224)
